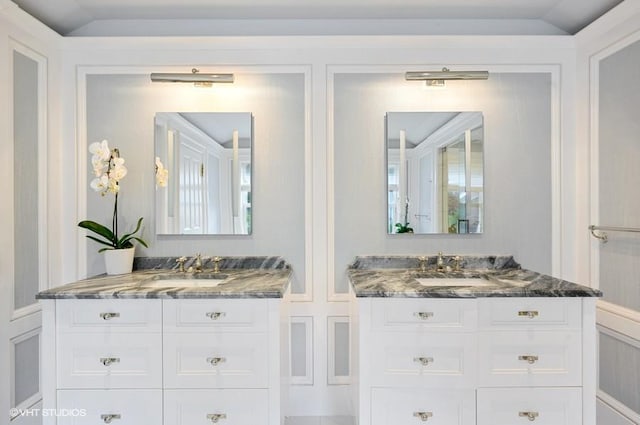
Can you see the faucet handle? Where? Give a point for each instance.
(216, 263)
(423, 262)
(456, 264)
(180, 261)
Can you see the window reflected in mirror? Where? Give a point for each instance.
(435, 172)
(203, 173)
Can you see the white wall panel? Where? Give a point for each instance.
(121, 108)
(517, 110)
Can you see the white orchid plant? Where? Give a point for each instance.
(109, 169)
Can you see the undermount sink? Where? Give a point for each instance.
(454, 281)
(191, 280)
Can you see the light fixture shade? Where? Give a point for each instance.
(195, 77)
(446, 74)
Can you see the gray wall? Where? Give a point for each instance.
(517, 122)
(619, 205)
(121, 109)
(619, 159)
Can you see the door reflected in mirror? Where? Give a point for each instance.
(203, 173)
(435, 172)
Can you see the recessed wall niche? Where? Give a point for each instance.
(121, 108)
(517, 138)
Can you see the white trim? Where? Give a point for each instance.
(81, 146)
(618, 407)
(555, 71)
(556, 171)
(594, 119)
(33, 399)
(332, 378)
(307, 295)
(307, 379)
(42, 168)
(619, 319)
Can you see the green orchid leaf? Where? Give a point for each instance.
(100, 241)
(99, 229)
(141, 242)
(125, 239)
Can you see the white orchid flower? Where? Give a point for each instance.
(162, 174)
(100, 150)
(113, 186)
(99, 165)
(118, 170)
(100, 184)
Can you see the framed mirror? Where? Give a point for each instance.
(203, 173)
(434, 173)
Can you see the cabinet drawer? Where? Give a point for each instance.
(222, 360)
(124, 407)
(109, 361)
(214, 315)
(399, 315)
(530, 313)
(541, 406)
(423, 360)
(531, 358)
(111, 315)
(204, 407)
(408, 406)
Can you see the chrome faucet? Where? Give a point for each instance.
(440, 263)
(197, 264)
(216, 264)
(181, 262)
(423, 263)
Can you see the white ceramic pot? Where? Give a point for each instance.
(119, 261)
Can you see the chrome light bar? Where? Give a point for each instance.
(445, 74)
(195, 77)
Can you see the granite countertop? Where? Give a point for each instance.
(502, 276)
(242, 277)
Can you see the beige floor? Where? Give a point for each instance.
(316, 420)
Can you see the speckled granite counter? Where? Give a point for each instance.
(397, 276)
(239, 277)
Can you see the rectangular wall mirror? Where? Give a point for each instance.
(434, 172)
(203, 173)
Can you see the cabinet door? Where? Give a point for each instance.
(410, 407)
(109, 315)
(530, 358)
(423, 360)
(541, 406)
(204, 407)
(120, 407)
(530, 313)
(222, 360)
(103, 360)
(216, 315)
(423, 314)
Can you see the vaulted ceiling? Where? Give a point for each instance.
(67, 16)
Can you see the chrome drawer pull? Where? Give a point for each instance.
(528, 313)
(107, 419)
(423, 315)
(215, 417)
(424, 361)
(424, 416)
(528, 359)
(109, 316)
(108, 361)
(529, 415)
(214, 361)
(215, 315)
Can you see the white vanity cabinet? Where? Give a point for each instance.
(485, 361)
(164, 361)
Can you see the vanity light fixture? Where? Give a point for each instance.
(437, 78)
(199, 80)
